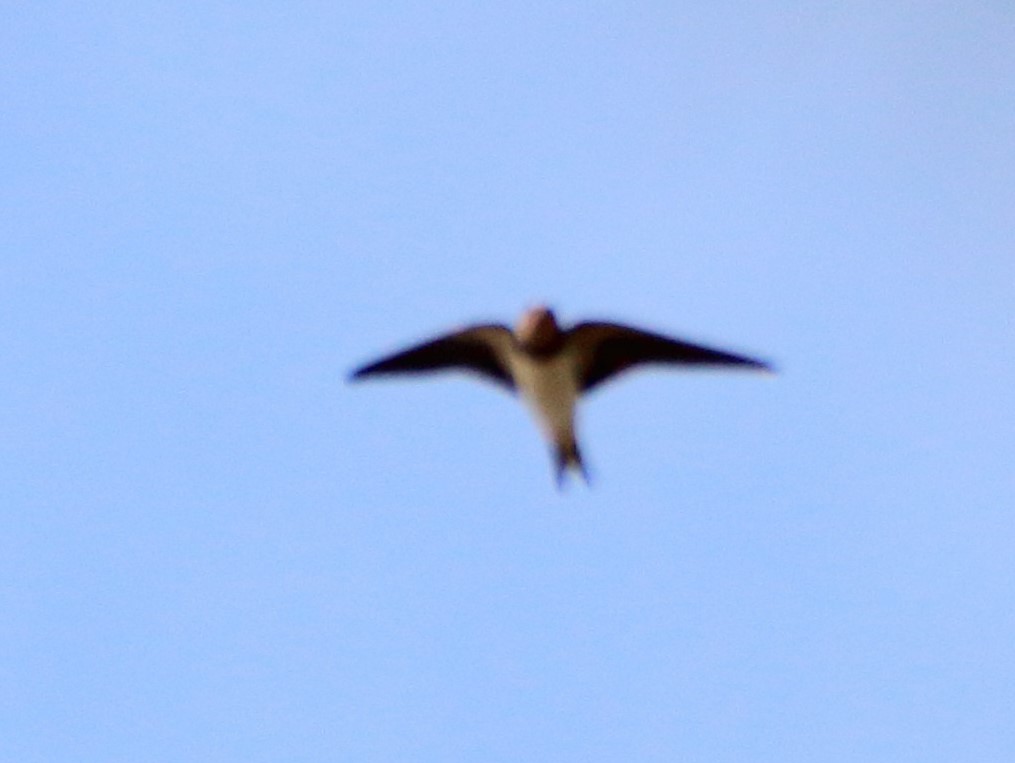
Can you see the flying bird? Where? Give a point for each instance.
(551, 367)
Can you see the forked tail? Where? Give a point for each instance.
(567, 456)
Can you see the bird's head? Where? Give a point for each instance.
(537, 330)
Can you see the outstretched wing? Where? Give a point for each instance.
(607, 349)
(480, 349)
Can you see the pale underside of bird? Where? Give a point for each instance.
(550, 367)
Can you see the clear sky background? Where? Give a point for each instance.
(213, 548)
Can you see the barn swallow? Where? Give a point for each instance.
(550, 367)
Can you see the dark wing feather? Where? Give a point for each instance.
(607, 349)
(478, 348)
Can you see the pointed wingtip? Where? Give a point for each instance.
(364, 372)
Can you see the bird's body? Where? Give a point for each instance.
(549, 386)
(551, 368)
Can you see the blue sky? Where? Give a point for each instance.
(215, 549)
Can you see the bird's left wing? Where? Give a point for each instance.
(607, 349)
(481, 349)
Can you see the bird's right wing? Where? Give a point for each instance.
(607, 349)
(480, 349)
